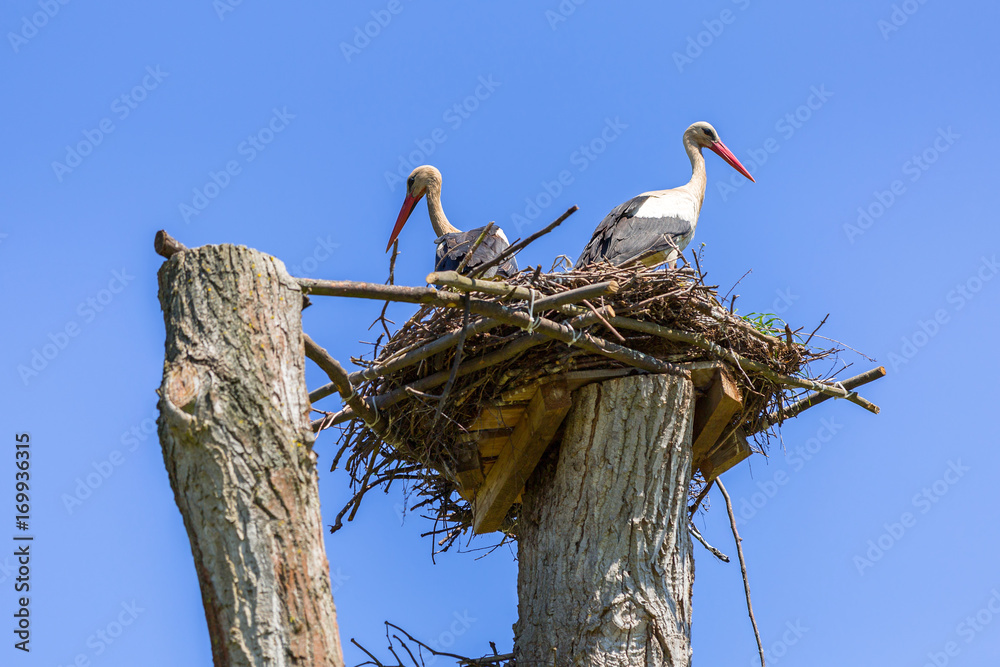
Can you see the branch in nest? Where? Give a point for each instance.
(475, 247)
(815, 398)
(561, 302)
(510, 251)
(359, 290)
(359, 405)
(698, 340)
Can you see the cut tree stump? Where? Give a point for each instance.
(237, 444)
(605, 567)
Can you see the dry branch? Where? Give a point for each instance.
(400, 293)
(497, 288)
(832, 391)
(743, 566)
(517, 247)
(816, 398)
(475, 246)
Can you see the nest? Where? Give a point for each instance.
(492, 344)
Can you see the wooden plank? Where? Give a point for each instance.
(528, 442)
(498, 416)
(726, 455)
(490, 442)
(703, 373)
(468, 466)
(713, 411)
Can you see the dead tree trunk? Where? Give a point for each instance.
(605, 559)
(234, 427)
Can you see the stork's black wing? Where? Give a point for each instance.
(453, 247)
(623, 235)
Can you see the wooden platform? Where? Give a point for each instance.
(506, 441)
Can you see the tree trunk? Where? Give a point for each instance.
(606, 568)
(234, 427)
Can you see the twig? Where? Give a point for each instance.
(816, 398)
(391, 281)
(489, 659)
(715, 552)
(816, 329)
(839, 342)
(743, 566)
(517, 247)
(735, 285)
(701, 497)
(607, 325)
(474, 248)
(723, 316)
(420, 643)
(375, 661)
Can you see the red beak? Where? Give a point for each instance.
(727, 155)
(404, 214)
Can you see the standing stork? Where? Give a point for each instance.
(452, 243)
(658, 225)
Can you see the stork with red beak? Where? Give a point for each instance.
(452, 243)
(658, 225)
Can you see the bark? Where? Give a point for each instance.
(606, 568)
(237, 444)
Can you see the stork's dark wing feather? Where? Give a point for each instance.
(453, 247)
(623, 235)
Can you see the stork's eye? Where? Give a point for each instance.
(409, 183)
(709, 133)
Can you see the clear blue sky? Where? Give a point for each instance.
(280, 127)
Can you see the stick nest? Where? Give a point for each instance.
(425, 424)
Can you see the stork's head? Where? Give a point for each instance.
(420, 181)
(703, 135)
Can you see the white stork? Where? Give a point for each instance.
(660, 221)
(452, 243)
